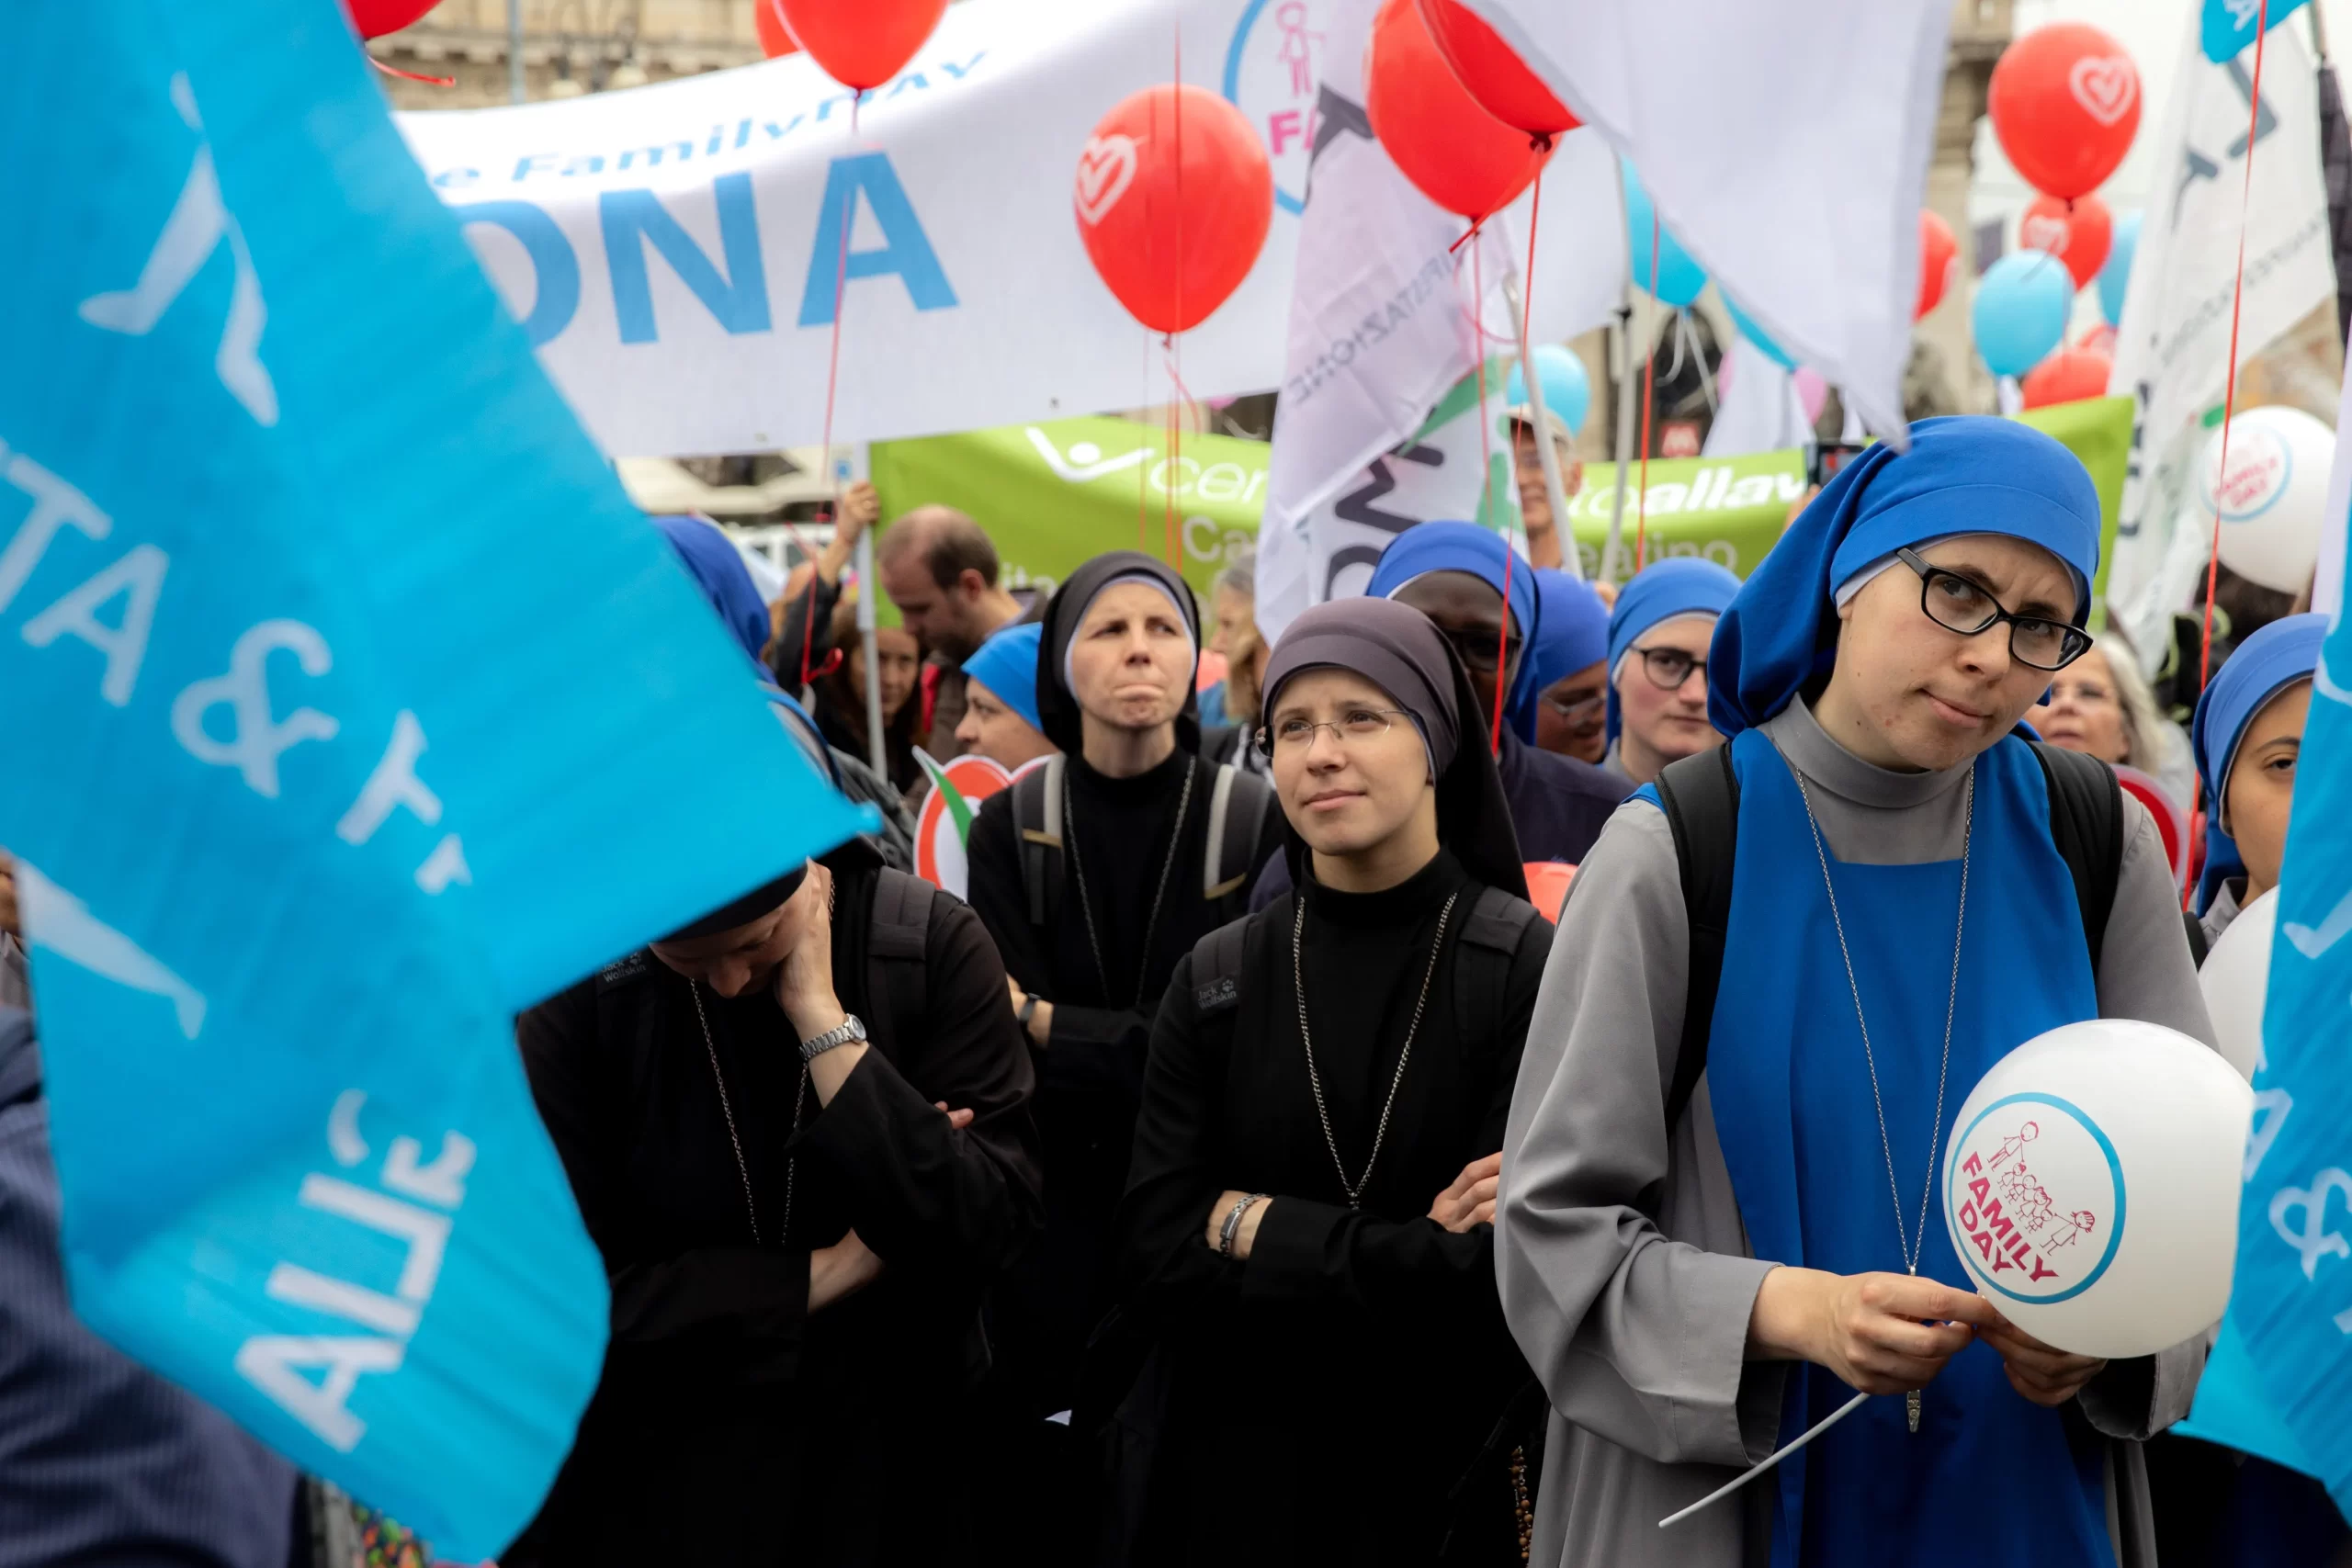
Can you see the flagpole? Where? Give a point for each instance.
(1608, 556)
(1556, 490)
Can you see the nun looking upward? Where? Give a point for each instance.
(1095, 874)
(1454, 573)
(1305, 1242)
(1714, 1220)
(1658, 636)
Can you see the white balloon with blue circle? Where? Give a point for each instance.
(2020, 311)
(1671, 275)
(1568, 386)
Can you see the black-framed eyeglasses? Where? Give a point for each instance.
(1667, 668)
(1356, 723)
(1955, 604)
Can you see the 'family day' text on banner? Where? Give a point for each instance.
(304, 838)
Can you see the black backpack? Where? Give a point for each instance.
(1701, 795)
(1237, 811)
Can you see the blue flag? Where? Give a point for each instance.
(2279, 1382)
(2227, 27)
(349, 709)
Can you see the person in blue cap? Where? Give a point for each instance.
(1658, 636)
(1000, 718)
(1569, 705)
(1717, 1218)
(2248, 734)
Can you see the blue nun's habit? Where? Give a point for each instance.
(1989, 1478)
(1662, 592)
(2265, 664)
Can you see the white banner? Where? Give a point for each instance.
(1762, 411)
(670, 249)
(2172, 350)
(1786, 144)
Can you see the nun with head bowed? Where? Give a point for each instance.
(2248, 734)
(1718, 1222)
(1658, 637)
(1091, 872)
(1306, 1245)
(1566, 710)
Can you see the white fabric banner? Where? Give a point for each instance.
(1762, 409)
(1786, 144)
(2172, 349)
(2327, 584)
(669, 246)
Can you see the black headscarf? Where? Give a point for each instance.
(1058, 710)
(1396, 648)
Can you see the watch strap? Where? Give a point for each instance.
(849, 1030)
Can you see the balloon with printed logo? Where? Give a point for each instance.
(2020, 311)
(374, 18)
(2066, 377)
(1455, 153)
(1173, 197)
(2091, 1185)
(1491, 71)
(1674, 279)
(1567, 386)
(861, 43)
(767, 21)
(1756, 335)
(2115, 275)
(2236, 978)
(2065, 101)
(2078, 232)
(1939, 262)
(2273, 500)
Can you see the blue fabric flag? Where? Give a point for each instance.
(329, 775)
(2227, 27)
(2279, 1382)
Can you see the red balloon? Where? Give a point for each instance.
(2068, 376)
(1174, 196)
(2077, 233)
(1491, 71)
(775, 39)
(1547, 886)
(1938, 261)
(374, 18)
(1459, 156)
(862, 43)
(2065, 102)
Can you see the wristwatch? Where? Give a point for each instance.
(842, 1033)
(1028, 1009)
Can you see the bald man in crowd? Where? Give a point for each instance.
(940, 569)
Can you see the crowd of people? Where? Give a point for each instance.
(1247, 1173)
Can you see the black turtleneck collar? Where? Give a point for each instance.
(1407, 904)
(1160, 779)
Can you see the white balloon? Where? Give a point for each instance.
(2236, 979)
(2091, 1185)
(2275, 497)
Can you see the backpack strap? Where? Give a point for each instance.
(1037, 816)
(1700, 797)
(1237, 813)
(897, 937)
(1491, 933)
(2086, 824)
(2197, 944)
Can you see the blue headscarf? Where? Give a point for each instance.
(1007, 665)
(1659, 592)
(2265, 664)
(1576, 634)
(710, 558)
(1964, 474)
(1464, 547)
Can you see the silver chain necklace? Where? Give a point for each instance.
(1354, 1190)
(727, 1109)
(1912, 1245)
(1151, 924)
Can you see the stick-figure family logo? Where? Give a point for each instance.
(1085, 460)
(201, 222)
(59, 921)
(2035, 1199)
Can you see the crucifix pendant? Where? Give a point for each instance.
(1911, 1408)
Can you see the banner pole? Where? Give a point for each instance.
(1555, 488)
(1608, 557)
(868, 585)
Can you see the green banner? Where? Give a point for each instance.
(1052, 494)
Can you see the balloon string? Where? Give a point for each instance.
(411, 75)
(2230, 392)
(1143, 471)
(1175, 434)
(1649, 382)
(1485, 490)
(833, 381)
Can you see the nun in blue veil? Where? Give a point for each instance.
(2269, 665)
(1699, 1269)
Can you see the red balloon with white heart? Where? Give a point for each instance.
(2065, 101)
(2078, 232)
(1173, 197)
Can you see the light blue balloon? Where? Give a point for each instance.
(1568, 388)
(1756, 336)
(1680, 278)
(2020, 311)
(2115, 277)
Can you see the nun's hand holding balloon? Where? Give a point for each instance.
(2043, 1374)
(1879, 1333)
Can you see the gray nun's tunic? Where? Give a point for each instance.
(1625, 1269)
